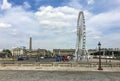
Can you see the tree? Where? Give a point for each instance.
(7, 52)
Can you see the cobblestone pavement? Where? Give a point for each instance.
(58, 76)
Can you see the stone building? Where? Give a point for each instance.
(18, 51)
(90, 51)
(63, 52)
(39, 52)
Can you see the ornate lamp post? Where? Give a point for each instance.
(99, 66)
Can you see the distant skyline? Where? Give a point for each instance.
(52, 23)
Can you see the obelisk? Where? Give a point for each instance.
(30, 45)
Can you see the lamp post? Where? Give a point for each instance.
(99, 66)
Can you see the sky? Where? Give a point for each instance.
(52, 24)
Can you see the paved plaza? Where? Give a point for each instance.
(58, 76)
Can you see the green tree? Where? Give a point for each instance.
(7, 52)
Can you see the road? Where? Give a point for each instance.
(58, 76)
(31, 60)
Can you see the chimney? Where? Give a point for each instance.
(30, 45)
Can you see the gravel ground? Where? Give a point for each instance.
(58, 76)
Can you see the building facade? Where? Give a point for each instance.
(39, 52)
(63, 52)
(18, 51)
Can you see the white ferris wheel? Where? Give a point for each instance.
(80, 51)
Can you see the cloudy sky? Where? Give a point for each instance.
(52, 23)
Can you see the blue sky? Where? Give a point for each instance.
(52, 23)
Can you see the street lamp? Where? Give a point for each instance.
(99, 66)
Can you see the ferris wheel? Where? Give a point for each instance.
(80, 51)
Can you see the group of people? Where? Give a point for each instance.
(62, 58)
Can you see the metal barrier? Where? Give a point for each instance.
(61, 64)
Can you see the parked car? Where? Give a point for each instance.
(20, 59)
(42, 57)
(11, 58)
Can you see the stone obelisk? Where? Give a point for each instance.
(30, 45)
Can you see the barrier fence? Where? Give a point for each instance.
(61, 64)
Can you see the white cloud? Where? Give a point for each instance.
(26, 5)
(91, 2)
(56, 17)
(52, 26)
(23, 24)
(105, 27)
(111, 40)
(75, 4)
(6, 5)
(5, 25)
(106, 20)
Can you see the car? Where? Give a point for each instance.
(42, 57)
(11, 58)
(20, 59)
